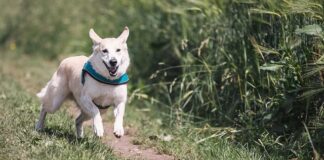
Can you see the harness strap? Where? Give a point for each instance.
(87, 68)
(101, 107)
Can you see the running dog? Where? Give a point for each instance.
(92, 82)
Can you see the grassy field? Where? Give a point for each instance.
(20, 110)
(19, 140)
(211, 74)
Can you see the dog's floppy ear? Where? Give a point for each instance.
(124, 35)
(95, 38)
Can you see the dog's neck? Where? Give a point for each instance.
(100, 68)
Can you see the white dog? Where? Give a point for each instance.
(93, 82)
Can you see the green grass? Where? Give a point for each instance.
(193, 143)
(19, 140)
(58, 141)
(188, 141)
(255, 66)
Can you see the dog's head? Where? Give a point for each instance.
(111, 52)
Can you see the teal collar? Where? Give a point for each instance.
(87, 68)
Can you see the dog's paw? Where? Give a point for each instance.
(118, 131)
(79, 130)
(98, 130)
(39, 126)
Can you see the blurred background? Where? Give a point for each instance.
(253, 65)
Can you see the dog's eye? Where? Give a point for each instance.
(118, 50)
(105, 51)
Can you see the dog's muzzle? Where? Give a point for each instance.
(112, 69)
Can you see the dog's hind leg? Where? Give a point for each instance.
(79, 124)
(40, 124)
(52, 97)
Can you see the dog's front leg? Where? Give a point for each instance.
(119, 115)
(90, 109)
(79, 123)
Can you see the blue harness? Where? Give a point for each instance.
(87, 68)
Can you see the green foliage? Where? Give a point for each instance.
(253, 65)
(245, 66)
(60, 126)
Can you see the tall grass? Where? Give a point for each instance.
(256, 66)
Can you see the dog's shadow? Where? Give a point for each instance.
(62, 133)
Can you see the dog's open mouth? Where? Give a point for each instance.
(112, 70)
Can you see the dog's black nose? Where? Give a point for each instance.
(113, 62)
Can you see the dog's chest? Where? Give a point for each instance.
(110, 95)
(104, 101)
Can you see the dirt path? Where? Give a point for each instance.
(122, 147)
